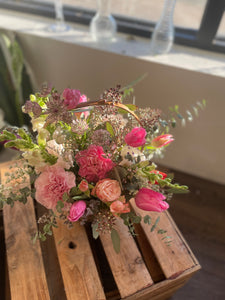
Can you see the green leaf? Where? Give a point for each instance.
(34, 238)
(154, 226)
(131, 107)
(59, 206)
(115, 240)
(140, 78)
(136, 219)
(9, 135)
(65, 197)
(95, 233)
(147, 219)
(110, 129)
(47, 227)
(178, 191)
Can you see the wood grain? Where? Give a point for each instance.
(79, 272)
(25, 265)
(173, 259)
(128, 268)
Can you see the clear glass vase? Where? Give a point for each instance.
(59, 25)
(163, 34)
(103, 25)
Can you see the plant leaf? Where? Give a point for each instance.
(110, 129)
(95, 233)
(115, 240)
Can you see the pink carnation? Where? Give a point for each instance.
(71, 98)
(93, 165)
(136, 137)
(52, 184)
(150, 200)
(77, 210)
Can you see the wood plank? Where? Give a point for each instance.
(164, 289)
(79, 272)
(25, 265)
(173, 259)
(128, 268)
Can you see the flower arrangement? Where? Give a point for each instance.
(87, 159)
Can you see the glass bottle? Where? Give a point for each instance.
(103, 25)
(163, 34)
(59, 25)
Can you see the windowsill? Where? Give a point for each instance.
(181, 57)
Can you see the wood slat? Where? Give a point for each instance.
(25, 265)
(79, 272)
(128, 268)
(173, 259)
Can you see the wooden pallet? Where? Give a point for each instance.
(71, 265)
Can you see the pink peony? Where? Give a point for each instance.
(136, 137)
(107, 190)
(150, 200)
(162, 140)
(83, 186)
(120, 206)
(77, 210)
(71, 98)
(52, 183)
(93, 165)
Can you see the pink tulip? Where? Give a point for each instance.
(162, 140)
(136, 137)
(149, 200)
(76, 211)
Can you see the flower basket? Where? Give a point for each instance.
(90, 165)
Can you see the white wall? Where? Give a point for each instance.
(199, 148)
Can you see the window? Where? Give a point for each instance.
(198, 23)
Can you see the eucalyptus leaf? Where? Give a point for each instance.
(95, 233)
(155, 224)
(115, 240)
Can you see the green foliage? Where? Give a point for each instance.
(155, 224)
(147, 219)
(115, 240)
(175, 114)
(109, 128)
(95, 232)
(50, 222)
(15, 85)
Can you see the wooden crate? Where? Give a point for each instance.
(71, 265)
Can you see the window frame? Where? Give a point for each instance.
(203, 38)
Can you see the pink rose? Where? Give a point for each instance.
(51, 184)
(83, 186)
(77, 210)
(120, 206)
(150, 200)
(107, 190)
(71, 98)
(162, 140)
(93, 165)
(136, 137)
